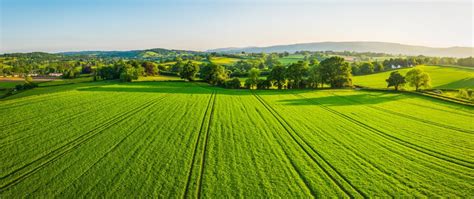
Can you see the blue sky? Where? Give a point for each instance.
(70, 25)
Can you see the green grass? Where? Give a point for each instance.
(158, 78)
(441, 77)
(9, 84)
(293, 58)
(57, 82)
(180, 139)
(224, 60)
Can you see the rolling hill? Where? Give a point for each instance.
(442, 77)
(379, 47)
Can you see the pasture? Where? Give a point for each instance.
(224, 60)
(293, 58)
(179, 139)
(442, 77)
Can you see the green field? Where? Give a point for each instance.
(9, 84)
(293, 58)
(447, 77)
(224, 60)
(179, 139)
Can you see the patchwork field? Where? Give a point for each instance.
(447, 77)
(178, 139)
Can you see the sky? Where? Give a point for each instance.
(74, 25)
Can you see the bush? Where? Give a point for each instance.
(264, 84)
(234, 83)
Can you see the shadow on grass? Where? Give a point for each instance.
(180, 88)
(358, 99)
(463, 83)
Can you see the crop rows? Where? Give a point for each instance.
(171, 139)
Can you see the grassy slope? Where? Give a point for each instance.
(441, 77)
(224, 60)
(290, 59)
(172, 139)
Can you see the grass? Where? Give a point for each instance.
(442, 77)
(180, 139)
(293, 58)
(57, 82)
(224, 60)
(10, 84)
(159, 78)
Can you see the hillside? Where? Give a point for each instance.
(441, 77)
(148, 53)
(379, 47)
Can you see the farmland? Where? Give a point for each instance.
(180, 139)
(443, 77)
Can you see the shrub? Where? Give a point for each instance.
(234, 83)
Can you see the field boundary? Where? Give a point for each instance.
(392, 138)
(294, 136)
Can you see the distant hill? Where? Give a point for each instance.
(149, 53)
(377, 47)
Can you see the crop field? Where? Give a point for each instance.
(180, 139)
(447, 77)
(291, 59)
(224, 60)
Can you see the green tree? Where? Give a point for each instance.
(254, 74)
(128, 74)
(264, 84)
(150, 68)
(277, 75)
(378, 67)
(355, 68)
(336, 72)
(418, 78)
(396, 80)
(214, 74)
(314, 76)
(234, 83)
(366, 68)
(295, 73)
(189, 71)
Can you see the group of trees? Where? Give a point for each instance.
(468, 61)
(415, 78)
(362, 68)
(333, 71)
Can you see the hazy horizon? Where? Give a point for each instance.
(82, 25)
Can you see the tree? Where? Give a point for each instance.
(234, 83)
(264, 84)
(150, 68)
(295, 73)
(378, 67)
(396, 80)
(336, 72)
(177, 66)
(277, 75)
(272, 60)
(189, 71)
(214, 74)
(128, 74)
(355, 68)
(418, 78)
(366, 68)
(254, 74)
(314, 76)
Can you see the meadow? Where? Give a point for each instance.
(442, 77)
(181, 139)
